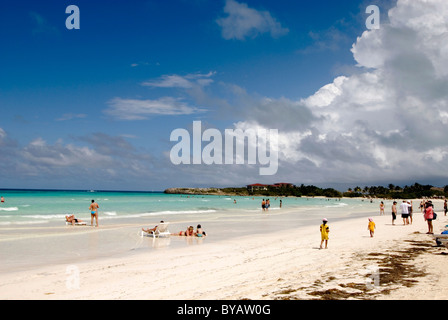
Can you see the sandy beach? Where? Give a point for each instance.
(399, 262)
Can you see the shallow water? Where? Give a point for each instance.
(33, 232)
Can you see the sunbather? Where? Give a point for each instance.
(151, 230)
(189, 232)
(199, 232)
(72, 219)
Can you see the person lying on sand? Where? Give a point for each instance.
(199, 232)
(72, 219)
(188, 233)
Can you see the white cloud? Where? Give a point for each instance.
(387, 122)
(135, 109)
(39, 153)
(71, 116)
(243, 22)
(2, 134)
(184, 82)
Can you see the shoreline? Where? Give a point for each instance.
(283, 266)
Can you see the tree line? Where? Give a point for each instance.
(390, 192)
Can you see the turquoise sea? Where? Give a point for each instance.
(33, 230)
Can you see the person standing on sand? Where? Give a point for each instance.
(324, 230)
(445, 206)
(394, 212)
(429, 216)
(381, 208)
(94, 212)
(404, 212)
(410, 210)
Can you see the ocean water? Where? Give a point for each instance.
(33, 232)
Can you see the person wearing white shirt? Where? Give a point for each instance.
(405, 212)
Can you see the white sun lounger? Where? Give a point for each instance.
(441, 239)
(161, 231)
(76, 223)
(441, 236)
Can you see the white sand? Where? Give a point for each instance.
(285, 265)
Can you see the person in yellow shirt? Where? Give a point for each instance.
(324, 230)
(371, 227)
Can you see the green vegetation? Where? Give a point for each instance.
(390, 192)
(396, 192)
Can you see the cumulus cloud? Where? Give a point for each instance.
(386, 122)
(242, 22)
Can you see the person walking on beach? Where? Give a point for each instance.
(371, 227)
(410, 211)
(94, 212)
(394, 212)
(324, 230)
(263, 205)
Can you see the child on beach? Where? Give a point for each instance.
(371, 227)
(324, 230)
(199, 232)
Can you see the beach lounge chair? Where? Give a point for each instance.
(76, 223)
(441, 239)
(161, 231)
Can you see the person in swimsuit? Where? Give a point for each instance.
(94, 212)
(188, 233)
(394, 212)
(199, 232)
(72, 219)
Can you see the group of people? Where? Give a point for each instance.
(265, 204)
(406, 212)
(93, 215)
(325, 230)
(191, 233)
(426, 206)
(188, 233)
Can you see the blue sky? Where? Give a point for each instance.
(94, 108)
